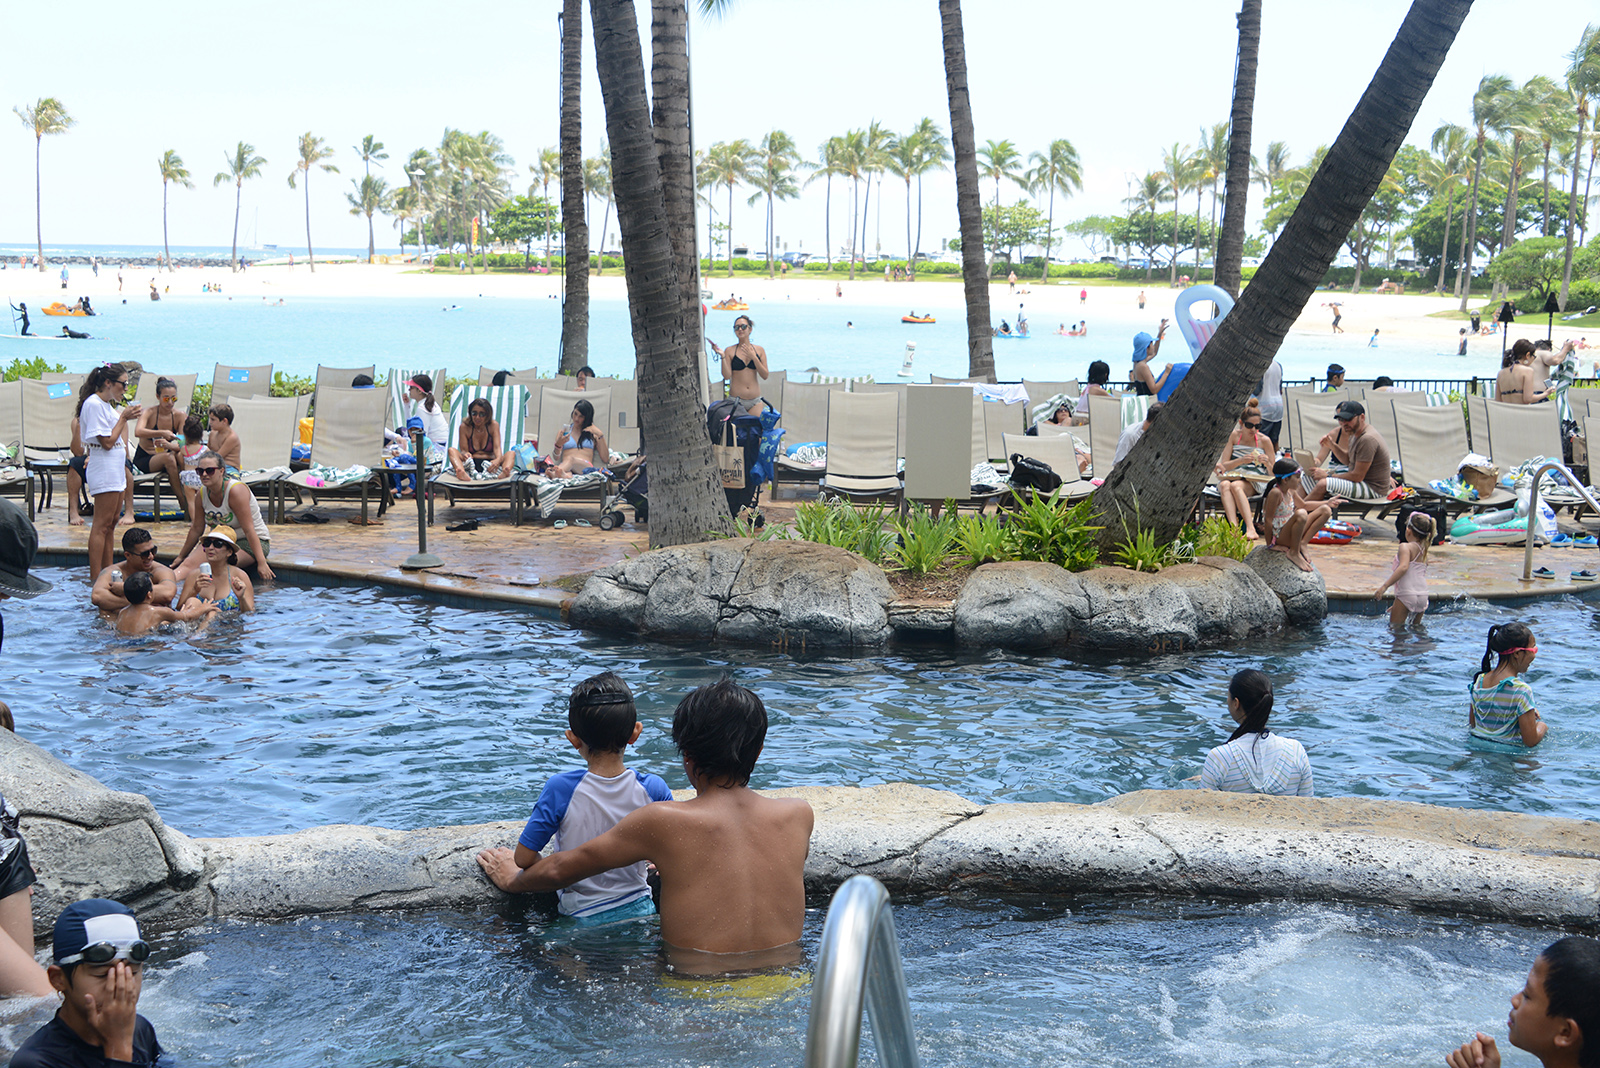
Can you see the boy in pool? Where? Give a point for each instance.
(732, 862)
(576, 806)
(1553, 1012)
(141, 617)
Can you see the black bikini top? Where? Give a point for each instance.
(738, 364)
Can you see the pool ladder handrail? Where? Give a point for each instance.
(1533, 510)
(858, 966)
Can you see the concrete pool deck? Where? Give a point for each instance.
(539, 567)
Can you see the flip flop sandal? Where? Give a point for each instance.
(1544, 573)
(1585, 541)
(1584, 576)
(582, 523)
(560, 524)
(1561, 541)
(465, 524)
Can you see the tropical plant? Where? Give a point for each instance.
(1149, 193)
(855, 163)
(1269, 174)
(574, 223)
(172, 170)
(728, 164)
(244, 163)
(372, 195)
(369, 149)
(34, 367)
(46, 116)
(831, 155)
(1181, 172)
(933, 154)
(548, 169)
(1000, 160)
(597, 183)
(1215, 536)
(1054, 169)
(1489, 107)
(486, 165)
(838, 523)
(969, 206)
(772, 173)
(312, 152)
(1140, 551)
(925, 542)
(1049, 530)
(983, 538)
(879, 145)
(1583, 81)
(1213, 159)
(1445, 170)
(1519, 120)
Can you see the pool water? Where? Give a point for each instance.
(992, 982)
(358, 705)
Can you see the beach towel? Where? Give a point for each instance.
(548, 491)
(339, 476)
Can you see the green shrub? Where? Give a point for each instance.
(285, 385)
(31, 368)
(838, 523)
(982, 538)
(200, 403)
(1044, 528)
(1582, 294)
(925, 543)
(1141, 552)
(1214, 537)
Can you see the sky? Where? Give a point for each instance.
(1120, 81)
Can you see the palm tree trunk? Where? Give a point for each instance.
(911, 253)
(1444, 249)
(672, 111)
(855, 198)
(1544, 221)
(1153, 488)
(311, 257)
(549, 231)
(166, 248)
(372, 245)
(38, 200)
(574, 220)
(728, 238)
(1572, 200)
(1469, 240)
(771, 267)
(1049, 233)
(1172, 268)
(238, 199)
(919, 218)
(866, 213)
(692, 505)
(827, 221)
(969, 206)
(1508, 224)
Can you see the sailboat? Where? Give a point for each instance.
(255, 236)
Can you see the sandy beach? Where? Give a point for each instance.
(1398, 317)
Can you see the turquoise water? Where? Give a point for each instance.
(359, 706)
(191, 332)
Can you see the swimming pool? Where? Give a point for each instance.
(357, 705)
(993, 982)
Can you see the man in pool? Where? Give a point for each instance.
(138, 555)
(732, 862)
(97, 965)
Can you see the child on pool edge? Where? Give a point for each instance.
(1291, 521)
(1502, 707)
(1410, 577)
(1553, 1012)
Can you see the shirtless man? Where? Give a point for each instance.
(732, 862)
(742, 362)
(138, 555)
(222, 440)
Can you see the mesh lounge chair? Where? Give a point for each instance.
(398, 377)
(349, 433)
(1060, 452)
(902, 442)
(1431, 443)
(1519, 432)
(486, 374)
(1039, 392)
(230, 381)
(863, 460)
(510, 404)
(15, 478)
(937, 468)
(804, 420)
(342, 376)
(1105, 427)
(266, 428)
(555, 409)
(1478, 424)
(47, 412)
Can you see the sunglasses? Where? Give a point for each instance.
(214, 543)
(204, 471)
(1253, 425)
(106, 952)
(145, 554)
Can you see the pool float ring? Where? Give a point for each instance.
(1504, 527)
(1336, 532)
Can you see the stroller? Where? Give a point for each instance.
(633, 488)
(759, 438)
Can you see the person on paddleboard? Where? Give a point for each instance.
(22, 311)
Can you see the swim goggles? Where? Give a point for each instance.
(105, 952)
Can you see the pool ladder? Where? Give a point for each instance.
(1533, 510)
(858, 966)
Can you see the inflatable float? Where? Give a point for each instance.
(58, 308)
(1504, 527)
(730, 305)
(1336, 532)
(918, 319)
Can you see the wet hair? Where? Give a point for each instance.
(1503, 636)
(135, 536)
(425, 383)
(585, 409)
(193, 428)
(602, 714)
(1572, 990)
(1382, 380)
(137, 586)
(1542, 345)
(1153, 411)
(499, 378)
(107, 372)
(224, 410)
(720, 728)
(361, 382)
(163, 383)
(479, 404)
(1099, 373)
(1421, 524)
(1253, 690)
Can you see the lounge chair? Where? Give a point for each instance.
(486, 374)
(230, 381)
(15, 478)
(937, 467)
(1383, 409)
(1431, 443)
(266, 429)
(348, 433)
(863, 461)
(47, 412)
(398, 377)
(510, 404)
(1060, 452)
(144, 393)
(1105, 428)
(804, 421)
(1039, 392)
(555, 410)
(1519, 432)
(902, 441)
(341, 377)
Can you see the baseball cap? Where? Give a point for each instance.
(93, 922)
(18, 543)
(1348, 410)
(1335, 369)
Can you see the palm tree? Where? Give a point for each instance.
(1520, 120)
(1152, 489)
(933, 150)
(728, 164)
(1148, 195)
(312, 153)
(669, 118)
(548, 169)
(574, 224)
(773, 171)
(244, 163)
(597, 183)
(831, 153)
(855, 161)
(487, 164)
(1230, 246)
(172, 170)
(422, 170)
(969, 202)
(1000, 159)
(1583, 81)
(1181, 172)
(1444, 171)
(1271, 173)
(1488, 106)
(669, 369)
(1213, 156)
(369, 149)
(47, 115)
(880, 143)
(1055, 169)
(372, 195)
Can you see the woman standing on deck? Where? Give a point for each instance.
(106, 468)
(1254, 760)
(743, 367)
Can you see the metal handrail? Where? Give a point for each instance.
(1533, 510)
(858, 965)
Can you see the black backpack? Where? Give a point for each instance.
(1028, 473)
(1441, 519)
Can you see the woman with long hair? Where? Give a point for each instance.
(1254, 760)
(106, 466)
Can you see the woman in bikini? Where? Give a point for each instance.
(577, 445)
(742, 363)
(477, 450)
(219, 579)
(1246, 453)
(1518, 382)
(158, 437)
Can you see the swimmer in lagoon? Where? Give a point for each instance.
(1557, 1008)
(1502, 706)
(732, 862)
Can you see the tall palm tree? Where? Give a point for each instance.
(1001, 160)
(933, 153)
(172, 170)
(487, 164)
(574, 224)
(1213, 156)
(831, 155)
(772, 173)
(1152, 489)
(1057, 168)
(969, 202)
(669, 119)
(1148, 195)
(728, 163)
(855, 161)
(369, 149)
(1520, 122)
(1446, 168)
(244, 163)
(422, 174)
(1488, 108)
(45, 116)
(548, 169)
(372, 195)
(880, 143)
(1230, 246)
(1267, 175)
(1583, 82)
(669, 374)
(1180, 172)
(312, 152)
(597, 183)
